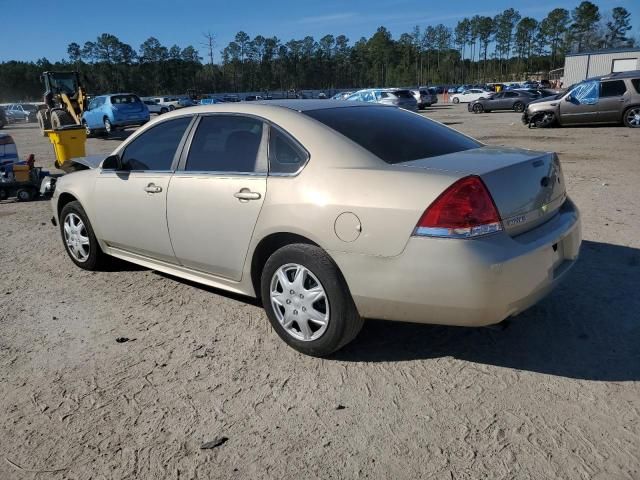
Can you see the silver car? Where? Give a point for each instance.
(329, 212)
(386, 96)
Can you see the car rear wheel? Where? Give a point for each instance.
(163, 110)
(478, 108)
(632, 117)
(108, 128)
(518, 107)
(307, 300)
(456, 100)
(79, 240)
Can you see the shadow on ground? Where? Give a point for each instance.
(589, 328)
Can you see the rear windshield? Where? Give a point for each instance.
(402, 93)
(392, 134)
(122, 99)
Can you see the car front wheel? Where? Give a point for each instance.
(632, 117)
(307, 300)
(478, 108)
(456, 100)
(79, 240)
(518, 107)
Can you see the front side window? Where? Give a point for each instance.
(154, 149)
(615, 88)
(393, 135)
(285, 155)
(226, 143)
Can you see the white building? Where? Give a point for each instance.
(580, 66)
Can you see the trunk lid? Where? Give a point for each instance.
(527, 187)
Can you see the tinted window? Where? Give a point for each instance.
(614, 88)
(403, 94)
(510, 95)
(226, 143)
(285, 156)
(636, 84)
(155, 148)
(124, 99)
(392, 134)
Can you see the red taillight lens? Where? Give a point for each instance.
(463, 210)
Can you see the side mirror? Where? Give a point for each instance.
(112, 162)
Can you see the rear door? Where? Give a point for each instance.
(216, 195)
(613, 98)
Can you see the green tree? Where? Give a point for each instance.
(583, 30)
(554, 27)
(617, 27)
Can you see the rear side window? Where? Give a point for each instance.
(392, 134)
(615, 88)
(636, 84)
(154, 149)
(285, 155)
(226, 143)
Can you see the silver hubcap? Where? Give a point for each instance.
(107, 126)
(76, 237)
(299, 302)
(634, 117)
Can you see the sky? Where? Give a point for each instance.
(24, 36)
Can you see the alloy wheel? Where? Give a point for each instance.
(633, 117)
(299, 302)
(76, 237)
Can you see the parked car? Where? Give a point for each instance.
(386, 96)
(184, 102)
(341, 96)
(470, 95)
(330, 213)
(21, 113)
(424, 97)
(613, 98)
(172, 102)
(540, 92)
(252, 98)
(231, 98)
(4, 121)
(158, 108)
(513, 100)
(116, 110)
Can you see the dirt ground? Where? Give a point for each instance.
(555, 396)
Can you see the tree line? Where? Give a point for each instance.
(505, 47)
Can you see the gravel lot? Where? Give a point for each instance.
(555, 396)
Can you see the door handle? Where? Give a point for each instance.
(152, 188)
(245, 194)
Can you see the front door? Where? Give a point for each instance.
(613, 99)
(581, 104)
(131, 203)
(216, 195)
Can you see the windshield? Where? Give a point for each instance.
(64, 83)
(124, 99)
(392, 134)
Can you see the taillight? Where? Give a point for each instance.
(464, 210)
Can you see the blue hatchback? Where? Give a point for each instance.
(117, 110)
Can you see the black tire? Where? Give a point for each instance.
(630, 117)
(25, 194)
(163, 110)
(43, 122)
(108, 127)
(456, 100)
(96, 258)
(344, 322)
(544, 120)
(478, 108)
(3, 194)
(518, 107)
(60, 118)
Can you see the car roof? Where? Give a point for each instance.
(617, 75)
(309, 105)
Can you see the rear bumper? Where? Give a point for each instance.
(465, 282)
(130, 122)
